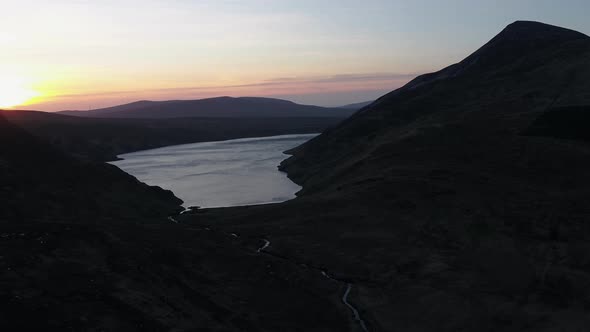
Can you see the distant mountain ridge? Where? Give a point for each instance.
(220, 107)
(102, 139)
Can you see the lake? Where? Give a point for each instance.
(217, 174)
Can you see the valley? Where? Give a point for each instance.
(455, 203)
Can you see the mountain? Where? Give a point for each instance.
(357, 106)
(526, 70)
(457, 202)
(103, 139)
(221, 107)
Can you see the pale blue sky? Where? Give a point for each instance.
(79, 54)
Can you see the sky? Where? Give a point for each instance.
(59, 54)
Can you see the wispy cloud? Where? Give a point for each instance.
(332, 88)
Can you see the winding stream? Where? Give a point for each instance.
(355, 312)
(229, 173)
(353, 309)
(266, 245)
(345, 296)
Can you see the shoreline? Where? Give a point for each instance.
(242, 139)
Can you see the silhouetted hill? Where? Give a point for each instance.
(437, 208)
(528, 68)
(508, 51)
(102, 139)
(38, 182)
(221, 107)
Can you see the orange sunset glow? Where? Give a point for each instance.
(15, 91)
(82, 54)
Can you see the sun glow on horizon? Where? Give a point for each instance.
(63, 54)
(15, 91)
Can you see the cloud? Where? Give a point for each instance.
(326, 90)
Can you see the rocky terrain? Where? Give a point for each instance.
(456, 203)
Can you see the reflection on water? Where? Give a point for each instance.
(214, 174)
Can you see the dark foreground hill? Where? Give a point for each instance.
(38, 182)
(103, 139)
(221, 107)
(86, 247)
(458, 202)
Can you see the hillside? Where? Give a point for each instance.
(457, 202)
(221, 107)
(42, 183)
(529, 68)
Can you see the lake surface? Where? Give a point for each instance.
(215, 174)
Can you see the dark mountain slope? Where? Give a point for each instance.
(570, 122)
(528, 68)
(439, 209)
(221, 107)
(102, 139)
(41, 183)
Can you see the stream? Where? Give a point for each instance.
(353, 309)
